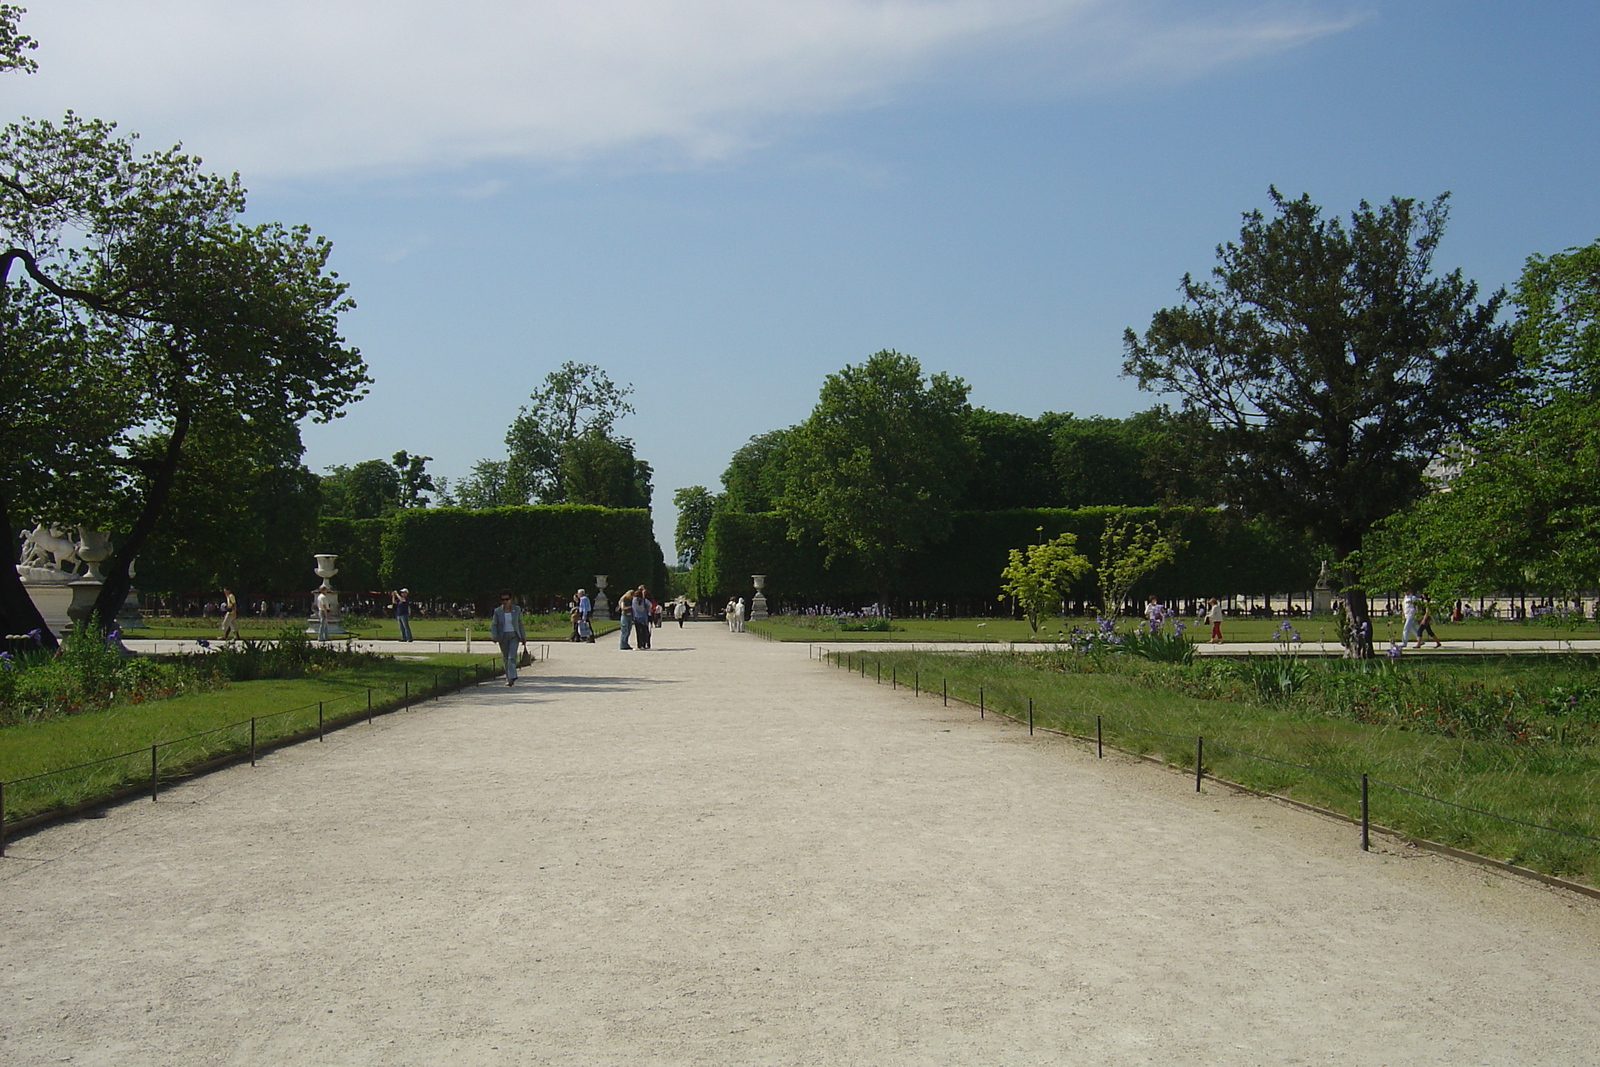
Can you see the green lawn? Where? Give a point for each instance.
(541, 627)
(281, 706)
(794, 628)
(1539, 782)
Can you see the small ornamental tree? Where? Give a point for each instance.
(1039, 575)
(1128, 552)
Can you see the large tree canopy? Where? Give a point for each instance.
(577, 400)
(1326, 366)
(134, 275)
(876, 470)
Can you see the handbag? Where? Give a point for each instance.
(526, 659)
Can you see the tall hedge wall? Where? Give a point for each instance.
(536, 551)
(1221, 557)
(359, 546)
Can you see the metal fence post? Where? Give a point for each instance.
(1199, 756)
(1030, 716)
(916, 683)
(154, 787)
(2, 818)
(252, 740)
(1099, 740)
(894, 677)
(980, 701)
(945, 688)
(369, 705)
(408, 693)
(1366, 825)
(319, 720)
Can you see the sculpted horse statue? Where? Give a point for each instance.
(51, 547)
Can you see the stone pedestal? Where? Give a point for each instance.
(85, 591)
(599, 607)
(51, 593)
(758, 603)
(1322, 595)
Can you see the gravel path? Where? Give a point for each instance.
(719, 852)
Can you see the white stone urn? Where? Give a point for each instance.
(599, 607)
(327, 567)
(758, 604)
(94, 548)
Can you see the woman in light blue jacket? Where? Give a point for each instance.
(506, 629)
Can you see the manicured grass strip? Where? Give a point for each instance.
(797, 628)
(542, 627)
(1315, 760)
(59, 763)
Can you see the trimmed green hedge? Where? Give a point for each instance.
(536, 551)
(1222, 557)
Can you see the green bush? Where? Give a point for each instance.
(88, 674)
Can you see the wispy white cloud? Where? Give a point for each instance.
(312, 87)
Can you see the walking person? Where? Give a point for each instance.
(505, 629)
(1408, 610)
(738, 616)
(402, 612)
(1425, 626)
(230, 615)
(641, 608)
(679, 610)
(1214, 617)
(585, 613)
(572, 617)
(625, 614)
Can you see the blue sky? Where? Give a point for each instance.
(722, 202)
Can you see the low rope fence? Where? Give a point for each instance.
(857, 663)
(110, 779)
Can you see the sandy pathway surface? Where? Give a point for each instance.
(720, 852)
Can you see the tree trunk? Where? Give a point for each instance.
(117, 583)
(1359, 643)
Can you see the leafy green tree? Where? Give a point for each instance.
(1325, 367)
(366, 490)
(599, 470)
(577, 400)
(414, 479)
(375, 488)
(181, 309)
(488, 485)
(1523, 511)
(696, 504)
(229, 317)
(1099, 461)
(1129, 551)
(1012, 462)
(1040, 575)
(14, 44)
(884, 458)
(243, 510)
(754, 478)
